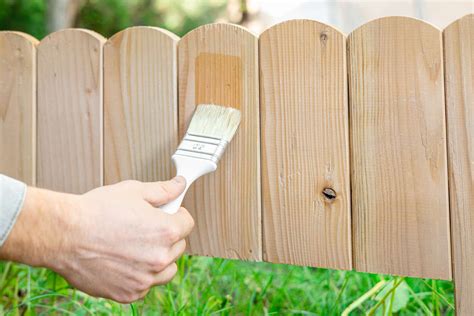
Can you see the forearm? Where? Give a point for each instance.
(38, 237)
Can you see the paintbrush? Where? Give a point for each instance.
(211, 129)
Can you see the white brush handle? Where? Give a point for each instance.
(190, 168)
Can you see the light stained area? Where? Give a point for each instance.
(218, 65)
(70, 111)
(459, 65)
(398, 149)
(140, 104)
(305, 145)
(18, 106)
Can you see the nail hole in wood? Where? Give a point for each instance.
(329, 194)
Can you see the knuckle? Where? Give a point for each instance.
(171, 234)
(142, 283)
(141, 287)
(160, 262)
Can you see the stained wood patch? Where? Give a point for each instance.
(398, 149)
(70, 111)
(18, 106)
(218, 64)
(459, 63)
(305, 145)
(140, 104)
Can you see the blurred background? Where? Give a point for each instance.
(40, 17)
(211, 286)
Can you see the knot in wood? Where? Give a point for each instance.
(329, 194)
(323, 37)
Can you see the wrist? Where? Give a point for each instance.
(40, 235)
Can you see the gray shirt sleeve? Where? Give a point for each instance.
(12, 195)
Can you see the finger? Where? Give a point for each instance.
(159, 193)
(182, 222)
(177, 250)
(166, 275)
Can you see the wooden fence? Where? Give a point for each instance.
(353, 153)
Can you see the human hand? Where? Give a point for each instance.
(110, 242)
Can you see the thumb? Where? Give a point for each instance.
(162, 192)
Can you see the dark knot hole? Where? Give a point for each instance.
(329, 194)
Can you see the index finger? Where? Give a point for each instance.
(182, 221)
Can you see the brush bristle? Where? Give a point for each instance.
(215, 121)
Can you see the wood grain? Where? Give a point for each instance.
(70, 111)
(398, 149)
(305, 145)
(140, 104)
(18, 106)
(218, 64)
(459, 65)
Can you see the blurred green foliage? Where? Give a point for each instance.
(110, 16)
(28, 16)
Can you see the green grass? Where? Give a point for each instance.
(207, 286)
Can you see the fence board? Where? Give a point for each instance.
(18, 106)
(70, 111)
(218, 64)
(459, 62)
(398, 142)
(140, 104)
(305, 145)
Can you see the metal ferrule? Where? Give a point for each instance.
(202, 147)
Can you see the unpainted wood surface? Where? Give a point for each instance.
(70, 111)
(18, 106)
(218, 64)
(398, 149)
(140, 104)
(305, 145)
(459, 63)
